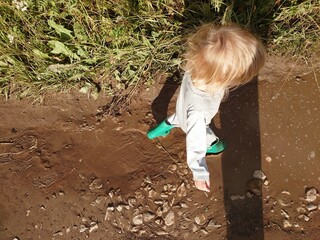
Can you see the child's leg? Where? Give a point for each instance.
(163, 128)
(214, 144)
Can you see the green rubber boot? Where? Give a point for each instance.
(161, 130)
(217, 147)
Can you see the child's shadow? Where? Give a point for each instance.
(161, 103)
(239, 117)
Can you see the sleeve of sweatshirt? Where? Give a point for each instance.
(196, 145)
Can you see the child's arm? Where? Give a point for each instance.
(196, 149)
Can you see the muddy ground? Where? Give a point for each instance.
(68, 173)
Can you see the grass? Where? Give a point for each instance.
(107, 46)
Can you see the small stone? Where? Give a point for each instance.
(148, 216)
(111, 193)
(204, 231)
(268, 159)
(42, 207)
(258, 174)
(183, 205)
(312, 155)
(110, 207)
(16, 238)
(161, 233)
(169, 219)
(212, 225)
(96, 184)
(311, 207)
(181, 191)
(285, 214)
(158, 202)
(311, 194)
(28, 213)
(173, 167)
(82, 228)
(195, 228)
(286, 224)
(159, 221)
(237, 197)
(99, 199)
(286, 192)
(58, 233)
(68, 230)
(137, 220)
(132, 201)
(306, 218)
(61, 193)
(152, 193)
(94, 227)
(200, 219)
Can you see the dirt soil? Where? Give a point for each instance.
(68, 173)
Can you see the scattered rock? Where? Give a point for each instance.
(93, 227)
(137, 220)
(169, 219)
(286, 192)
(312, 155)
(28, 213)
(68, 230)
(181, 191)
(285, 214)
(212, 225)
(152, 193)
(99, 199)
(200, 219)
(58, 233)
(132, 201)
(287, 224)
(148, 216)
(237, 197)
(195, 228)
(61, 193)
(82, 228)
(258, 174)
(184, 205)
(268, 159)
(311, 206)
(204, 231)
(311, 194)
(159, 221)
(96, 184)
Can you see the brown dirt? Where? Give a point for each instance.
(68, 173)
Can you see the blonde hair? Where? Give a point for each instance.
(223, 57)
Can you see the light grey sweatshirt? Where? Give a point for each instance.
(194, 112)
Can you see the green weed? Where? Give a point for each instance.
(109, 46)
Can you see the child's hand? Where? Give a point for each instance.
(202, 185)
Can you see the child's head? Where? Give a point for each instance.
(223, 57)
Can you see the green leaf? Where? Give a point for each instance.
(61, 30)
(40, 54)
(60, 48)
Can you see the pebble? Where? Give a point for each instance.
(312, 155)
(287, 224)
(258, 174)
(311, 194)
(96, 184)
(311, 207)
(268, 159)
(195, 228)
(132, 201)
(237, 197)
(99, 199)
(148, 216)
(200, 219)
(137, 220)
(159, 221)
(68, 230)
(94, 227)
(169, 219)
(181, 191)
(152, 193)
(254, 186)
(28, 213)
(285, 214)
(82, 228)
(204, 231)
(212, 225)
(58, 233)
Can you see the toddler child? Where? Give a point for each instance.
(217, 59)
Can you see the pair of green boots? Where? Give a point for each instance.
(164, 128)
